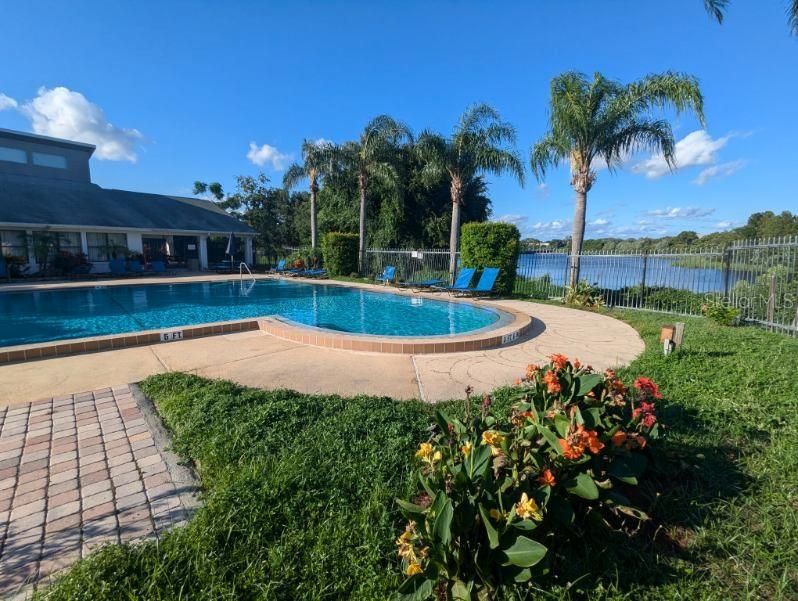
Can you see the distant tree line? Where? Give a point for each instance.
(766, 224)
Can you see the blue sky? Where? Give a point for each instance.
(177, 91)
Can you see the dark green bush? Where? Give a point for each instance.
(492, 244)
(305, 257)
(340, 253)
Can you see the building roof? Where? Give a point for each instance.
(13, 134)
(32, 202)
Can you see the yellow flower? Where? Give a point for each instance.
(413, 569)
(528, 509)
(424, 451)
(405, 544)
(437, 456)
(492, 438)
(466, 449)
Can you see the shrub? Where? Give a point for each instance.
(719, 311)
(584, 295)
(492, 244)
(340, 253)
(305, 257)
(494, 488)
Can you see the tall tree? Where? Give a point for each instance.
(317, 163)
(601, 119)
(480, 143)
(717, 8)
(214, 188)
(373, 156)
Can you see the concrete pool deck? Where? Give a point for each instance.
(258, 359)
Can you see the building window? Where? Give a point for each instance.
(14, 243)
(104, 247)
(13, 155)
(43, 159)
(47, 244)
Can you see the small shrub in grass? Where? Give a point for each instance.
(340, 253)
(495, 491)
(492, 244)
(584, 295)
(719, 311)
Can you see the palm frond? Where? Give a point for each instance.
(293, 175)
(655, 136)
(716, 8)
(546, 153)
(792, 16)
(679, 90)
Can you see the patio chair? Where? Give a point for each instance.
(279, 268)
(117, 267)
(157, 266)
(387, 276)
(463, 280)
(484, 286)
(314, 273)
(4, 271)
(135, 267)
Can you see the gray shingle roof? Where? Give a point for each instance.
(27, 201)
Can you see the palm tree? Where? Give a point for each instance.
(372, 157)
(317, 163)
(600, 119)
(717, 9)
(481, 143)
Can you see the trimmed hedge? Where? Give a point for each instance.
(340, 252)
(492, 244)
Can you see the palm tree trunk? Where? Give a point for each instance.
(313, 231)
(454, 235)
(362, 241)
(577, 236)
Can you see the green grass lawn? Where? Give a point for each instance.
(298, 489)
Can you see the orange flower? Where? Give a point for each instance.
(531, 371)
(547, 478)
(559, 361)
(648, 388)
(592, 441)
(577, 364)
(619, 438)
(552, 382)
(571, 449)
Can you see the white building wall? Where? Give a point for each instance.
(134, 242)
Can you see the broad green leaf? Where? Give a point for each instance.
(524, 552)
(562, 424)
(493, 535)
(587, 382)
(460, 591)
(582, 486)
(416, 588)
(551, 438)
(408, 507)
(442, 528)
(478, 461)
(592, 418)
(442, 420)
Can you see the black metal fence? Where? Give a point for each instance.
(759, 277)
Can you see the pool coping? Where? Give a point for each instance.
(484, 338)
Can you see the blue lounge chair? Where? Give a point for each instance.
(135, 267)
(314, 273)
(4, 272)
(279, 268)
(388, 275)
(157, 266)
(117, 267)
(483, 288)
(463, 280)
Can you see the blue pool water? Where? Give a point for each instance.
(41, 316)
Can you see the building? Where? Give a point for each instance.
(49, 205)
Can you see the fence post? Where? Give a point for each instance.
(726, 270)
(771, 302)
(643, 283)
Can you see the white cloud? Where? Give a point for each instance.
(6, 102)
(680, 212)
(514, 219)
(322, 142)
(724, 225)
(600, 221)
(696, 148)
(260, 155)
(64, 113)
(722, 170)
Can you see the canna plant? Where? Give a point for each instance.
(495, 491)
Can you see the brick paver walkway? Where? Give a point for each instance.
(77, 472)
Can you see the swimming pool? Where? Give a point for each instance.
(49, 315)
